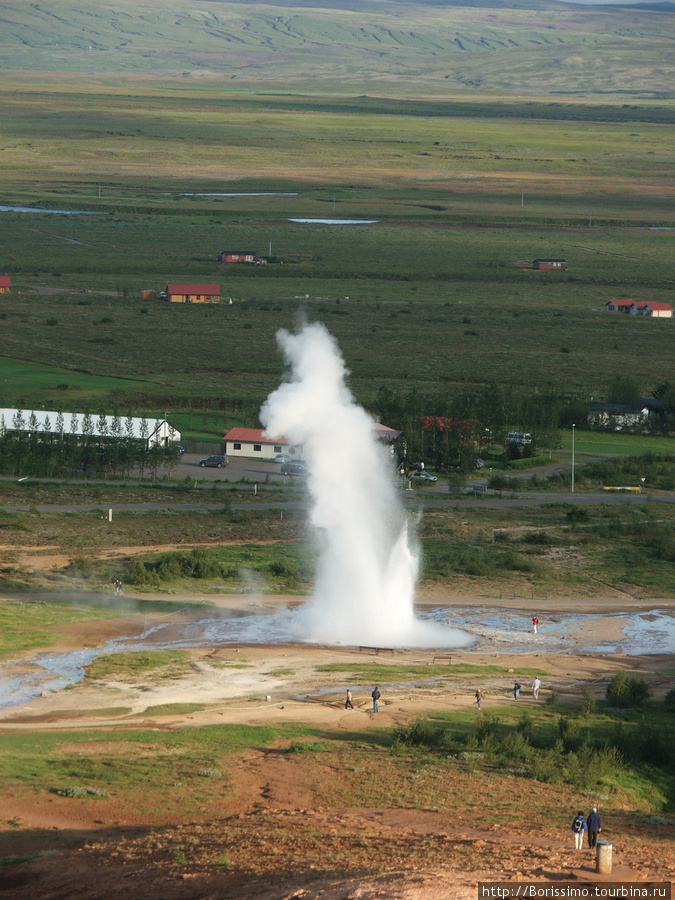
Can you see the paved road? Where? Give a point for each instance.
(258, 477)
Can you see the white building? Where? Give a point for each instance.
(153, 431)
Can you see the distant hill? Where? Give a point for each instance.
(404, 47)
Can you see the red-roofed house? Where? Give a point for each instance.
(5, 284)
(193, 293)
(622, 306)
(655, 310)
(253, 443)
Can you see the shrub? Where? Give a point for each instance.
(420, 733)
(624, 691)
(486, 728)
(525, 727)
(588, 703)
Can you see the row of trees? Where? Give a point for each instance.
(94, 448)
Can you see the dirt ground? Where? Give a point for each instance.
(274, 836)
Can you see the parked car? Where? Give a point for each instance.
(181, 449)
(424, 476)
(282, 458)
(293, 469)
(217, 461)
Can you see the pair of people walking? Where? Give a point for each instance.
(375, 694)
(592, 826)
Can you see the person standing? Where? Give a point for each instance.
(594, 826)
(376, 698)
(516, 689)
(535, 622)
(578, 827)
(536, 687)
(348, 702)
(479, 697)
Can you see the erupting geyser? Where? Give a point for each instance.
(367, 569)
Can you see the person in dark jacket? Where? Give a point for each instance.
(376, 699)
(594, 826)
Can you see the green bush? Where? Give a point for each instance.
(625, 691)
(588, 703)
(486, 728)
(420, 734)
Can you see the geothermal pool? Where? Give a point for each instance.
(642, 633)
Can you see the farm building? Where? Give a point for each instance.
(240, 256)
(552, 264)
(153, 432)
(253, 443)
(654, 310)
(620, 306)
(193, 293)
(624, 416)
(5, 284)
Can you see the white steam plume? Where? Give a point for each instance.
(367, 570)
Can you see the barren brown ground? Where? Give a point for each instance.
(290, 825)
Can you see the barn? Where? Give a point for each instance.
(5, 284)
(193, 293)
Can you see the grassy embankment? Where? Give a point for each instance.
(592, 749)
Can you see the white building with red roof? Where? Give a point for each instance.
(652, 309)
(254, 443)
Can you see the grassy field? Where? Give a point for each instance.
(163, 763)
(483, 550)
(465, 194)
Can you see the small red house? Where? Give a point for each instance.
(240, 256)
(551, 264)
(5, 284)
(193, 293)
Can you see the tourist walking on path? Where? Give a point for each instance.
(578, 827)
(594, 826)
(536, 687)
(516, 689)
(376, 699)
(348, 701)
(479, 697)
(535, 622)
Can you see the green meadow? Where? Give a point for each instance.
(436, 296)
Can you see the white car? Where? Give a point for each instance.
(282, 458)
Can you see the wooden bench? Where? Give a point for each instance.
(448, 658)
(377, 650)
